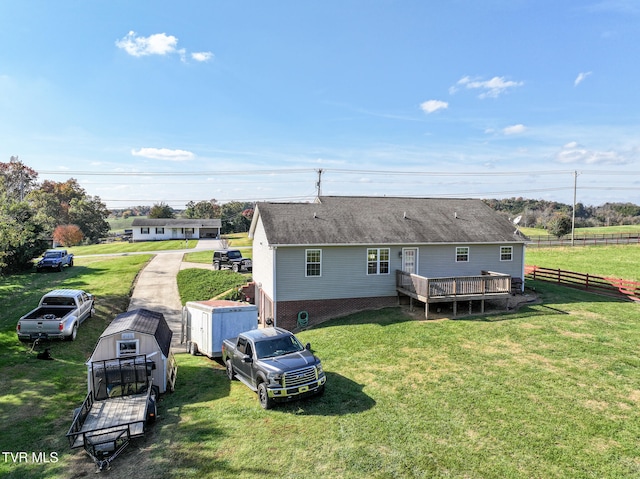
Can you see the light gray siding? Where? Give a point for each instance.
(262, 260)
(344, 274)
(440, 260)
(344, 269)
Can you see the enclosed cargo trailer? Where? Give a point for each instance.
(205, 324)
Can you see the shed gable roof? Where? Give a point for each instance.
(142, 321)
(384, 220)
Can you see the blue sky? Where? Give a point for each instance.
(156, 101)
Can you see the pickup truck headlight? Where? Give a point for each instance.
(274, 377)
(319, 368)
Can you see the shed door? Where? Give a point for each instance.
(410, 260)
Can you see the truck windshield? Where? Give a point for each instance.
(53, 254)
(278, 347)
(234, 254)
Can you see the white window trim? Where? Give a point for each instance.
(307, 263)
(468, 254)
(510, 253)
(378, 273)
(128, 354)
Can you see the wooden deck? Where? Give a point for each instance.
(112, 416)
(488, 285)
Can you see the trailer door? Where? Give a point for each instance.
(205, 334)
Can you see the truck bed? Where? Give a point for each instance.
(57, 311)
(112, 416)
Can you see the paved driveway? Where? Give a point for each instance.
(156, 287)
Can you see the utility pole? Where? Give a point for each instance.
(573, 216)
(319, 184)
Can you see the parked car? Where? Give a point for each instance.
(231, 259)
(55, 259)
(58, 316)
(273, 363)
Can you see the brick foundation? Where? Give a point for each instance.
(319, 311)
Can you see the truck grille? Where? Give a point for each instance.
(301, 376)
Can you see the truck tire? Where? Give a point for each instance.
(60, 267)
(230, 374)
(216, 266)
(235, 267)
(70, 263)
(263, 396)
(74, 333)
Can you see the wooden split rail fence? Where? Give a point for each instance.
(598, 284)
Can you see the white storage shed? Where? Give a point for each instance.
(139, 332)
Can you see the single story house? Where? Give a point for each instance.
(132, 334)
(155, 229)
(338, 255)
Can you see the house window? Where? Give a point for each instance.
(462, 254)
(378, 261)
(127, 347)
(313, 262)
(144, 231)
(506, 253)
(159, 231)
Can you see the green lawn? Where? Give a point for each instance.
(612, 261)
(596, 230)
(126, 247)
(550, 391)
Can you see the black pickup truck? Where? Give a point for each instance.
(273, 362)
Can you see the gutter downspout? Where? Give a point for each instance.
(524, 262)
(275, 287)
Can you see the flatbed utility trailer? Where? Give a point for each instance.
(121, 403)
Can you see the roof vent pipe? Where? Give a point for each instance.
(455, 214)
(404, 216)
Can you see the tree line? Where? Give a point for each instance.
(557, 217)
(34, 215)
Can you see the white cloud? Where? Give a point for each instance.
(164, 154)
(157, 44)
(514, 129)
(431, 106)
(492, 88)
(580, 78)
(573, 152)
(202, 56)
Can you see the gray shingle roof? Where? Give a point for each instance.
(142, 321)
(384, 220)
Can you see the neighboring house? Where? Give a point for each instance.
(145, 229)
(338, 255)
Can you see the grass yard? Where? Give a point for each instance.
(203, 284)
(138, 247)
(37, 398)
(617, 261)
(549, 391)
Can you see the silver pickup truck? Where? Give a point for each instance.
(58, 316)
(273, 362)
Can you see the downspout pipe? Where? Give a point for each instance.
(275, 286)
